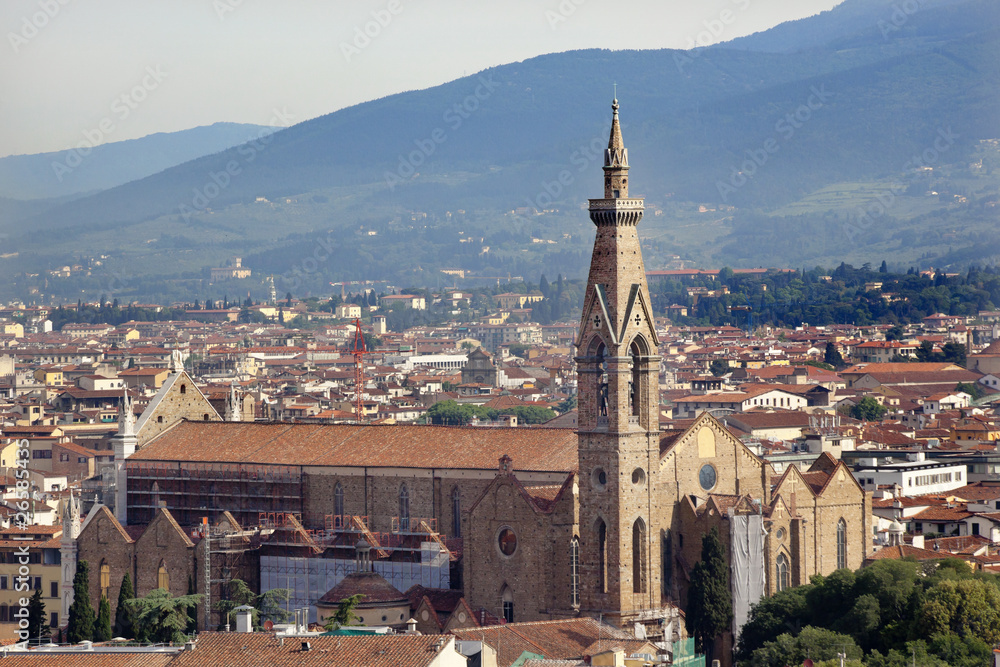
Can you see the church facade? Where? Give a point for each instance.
(621, 539)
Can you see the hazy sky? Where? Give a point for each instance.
(109, 70)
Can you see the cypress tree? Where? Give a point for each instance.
(37, 626)
(81, 615)
(124, 616)
(102, 632)
(710, 606)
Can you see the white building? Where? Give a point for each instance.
(915, 476)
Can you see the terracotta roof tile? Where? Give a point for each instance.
(231, 649)
(399, 445)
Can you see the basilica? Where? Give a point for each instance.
(528, 523)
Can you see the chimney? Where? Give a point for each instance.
(244, 618)
(411, 626)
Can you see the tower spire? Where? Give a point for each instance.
(615, 160)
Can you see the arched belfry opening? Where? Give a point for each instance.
(637, 392)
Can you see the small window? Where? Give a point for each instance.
(159, 419)
(163, 577)
(105, 579)
(53, 620)
(53, 589)
(183, 388)
(338, 499)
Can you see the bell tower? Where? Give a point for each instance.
(618, 404)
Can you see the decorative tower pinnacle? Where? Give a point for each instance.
(615, 160)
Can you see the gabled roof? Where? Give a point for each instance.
(553, 639)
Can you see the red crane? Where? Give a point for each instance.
(359, 351)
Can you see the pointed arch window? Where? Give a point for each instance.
(456, 513)
(602, 556)
(507, 601)
(782, 571)
(639, 556)
(105, 579)
(163, 577)
(637, 350)
(841, 544)
(338, 499)
(404, 508)
(574, 571)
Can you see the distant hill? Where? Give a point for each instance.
(83, 170)
(731, 144)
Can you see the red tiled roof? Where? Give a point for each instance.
(553, 639)
(232, 649)
(371, 585)
(40, 659)
(398, 445)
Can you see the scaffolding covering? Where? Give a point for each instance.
(308, 579)
(747, 564)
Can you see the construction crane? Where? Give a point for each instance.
(359, 351)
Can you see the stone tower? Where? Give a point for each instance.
(71, 524)
(124, 444)
(618, 409)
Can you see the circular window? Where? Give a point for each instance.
(706, 477)
(424, 615)
(780, 534)
(638, 476)
(599, 478)
(385, 618)
(507, 541)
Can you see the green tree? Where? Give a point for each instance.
(102, 631)
(161, 617)
(967, 608)
(973, 389)
(868, 409)
(124, 615)
(710, 607)
(718, 367)
(80, 626)
(344, 616)
(894, 333)
(832, 356)
(267, 605)
(813, 643)
(772, 616)
(38, 627)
